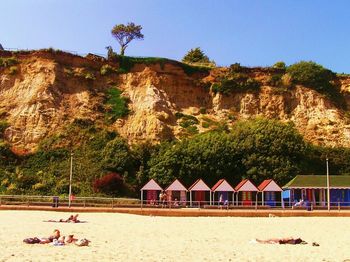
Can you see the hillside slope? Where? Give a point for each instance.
(45, 91)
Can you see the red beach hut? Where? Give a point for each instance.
(199, 188)
(152, 192)
(247, 188)
(176, 192)
(268, 189)
(223, 189)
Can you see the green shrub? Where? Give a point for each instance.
(316, 77)
(107, 69)
(117, 105)
(195, 55)
(202, 110)
(13, 70)
(90, 76)
(236, 82)
(276, 80)
(311, 74)
(3, 126)
(205, 124)
(280, 65)
(7, 62)
(186, 120)
(235, 68)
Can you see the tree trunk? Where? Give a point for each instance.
(122, 50)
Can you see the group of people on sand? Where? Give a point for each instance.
(71, 219)
(56, 238)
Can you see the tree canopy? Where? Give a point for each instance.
(196, 55)
(125, 34)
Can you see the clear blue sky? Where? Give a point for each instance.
(251, 32)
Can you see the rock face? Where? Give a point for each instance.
(49, 91)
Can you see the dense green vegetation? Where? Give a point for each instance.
(104, 164)
(197, 56)
(235, 81)
(126, 63)
(8, 62)
(117, 105)
(317, 77)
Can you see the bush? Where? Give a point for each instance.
(90, 76)
(275, 80)
(280, 65)
(3, 126)
(117, 105)
(13, 70)
(107, 69)
(312, 75)
(7, 62)
(195, 55)
(316, 77)
(236, 67)
(237, 82)
(111, 184)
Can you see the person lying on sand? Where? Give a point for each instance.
(44, 240)
(71, 239)
(288, 240)
(82, 242)
(70, 219)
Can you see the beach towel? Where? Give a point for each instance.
(31, 240)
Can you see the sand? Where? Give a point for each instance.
(124, 237)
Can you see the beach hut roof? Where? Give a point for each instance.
(222, 185)
(246, 185)
(151, 185)
(318, 181)
(269, 185)
(199, 185)
(176, 186)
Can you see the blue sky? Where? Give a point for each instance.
(251, 32)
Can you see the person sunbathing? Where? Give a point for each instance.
(71, 239)
(44, 240)
(70, 219)
(282, 241)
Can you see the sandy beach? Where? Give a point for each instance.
(123, 237)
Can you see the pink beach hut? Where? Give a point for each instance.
(200, 189)
(176, 192)
(247, 188)
(268, 189)
(223, 190)
(152, 192)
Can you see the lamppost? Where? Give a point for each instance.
(328, 189)
(70, 179)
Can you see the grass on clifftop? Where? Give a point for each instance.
(126, 63)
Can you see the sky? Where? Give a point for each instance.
(249, 32)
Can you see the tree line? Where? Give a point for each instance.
(104, 163)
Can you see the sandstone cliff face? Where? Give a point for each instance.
(43, 97)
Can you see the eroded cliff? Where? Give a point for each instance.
(46, 91)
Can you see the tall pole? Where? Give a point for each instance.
(328, 189)
(70, 179)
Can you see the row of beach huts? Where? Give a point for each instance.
(302, 190)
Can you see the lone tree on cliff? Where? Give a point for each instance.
(125, 34)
